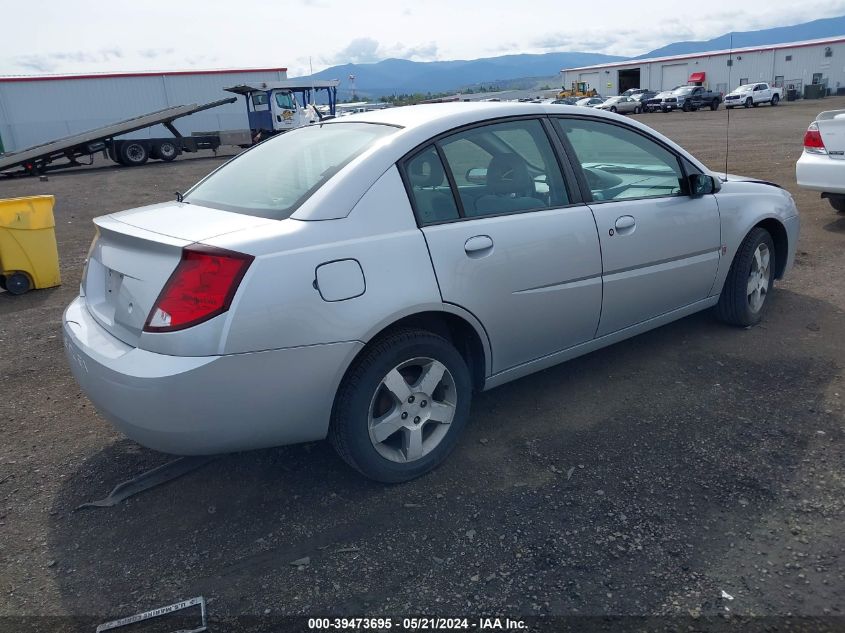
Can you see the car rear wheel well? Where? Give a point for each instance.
(781, 241)
(453, 328)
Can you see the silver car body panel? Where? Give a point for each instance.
(552, 285)
(196, 405)
(668, 259)
(278, 305)
(544, 266)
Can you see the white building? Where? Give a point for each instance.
(37, 109)
(790, 65)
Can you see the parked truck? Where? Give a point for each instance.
(272, 108)
(748, 95)
(690, 98)
(822, 163)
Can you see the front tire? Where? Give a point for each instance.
(749, 102)
(402, 406)
(838, 204)
(750, 280)
(613, 108)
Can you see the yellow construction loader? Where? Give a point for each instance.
(579, 89)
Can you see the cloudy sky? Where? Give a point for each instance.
(107, 35)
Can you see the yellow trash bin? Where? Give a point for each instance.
(28, 254)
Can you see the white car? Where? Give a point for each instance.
(748, 95)
(590, 102)
(822, 164)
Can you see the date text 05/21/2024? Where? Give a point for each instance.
(417, 624)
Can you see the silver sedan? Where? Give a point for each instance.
(624, 105)
(362, 278)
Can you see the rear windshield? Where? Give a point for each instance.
(274, 178)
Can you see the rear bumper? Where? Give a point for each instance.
(208, 404)
(820, 172)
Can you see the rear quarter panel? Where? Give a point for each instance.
(278, 304)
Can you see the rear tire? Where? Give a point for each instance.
(775, 100)
(134, 154)
(638, 110)
(714, 105)
(750, 280)
(413, 443)
(838, 204)
(166, 151)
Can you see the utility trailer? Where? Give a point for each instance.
(130, 152)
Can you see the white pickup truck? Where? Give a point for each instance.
(822, 164)
(748, 95)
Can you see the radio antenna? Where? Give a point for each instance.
(728, 125)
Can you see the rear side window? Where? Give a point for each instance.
(430, 191)
(621, 164)
(274, 178)
(505, 168)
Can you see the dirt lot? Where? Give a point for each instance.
(644, 479)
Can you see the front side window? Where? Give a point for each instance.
(285, 101)
(504, 168)
(619, 163)
(259, 99)
(274, 178)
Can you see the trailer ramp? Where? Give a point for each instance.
(72, 146)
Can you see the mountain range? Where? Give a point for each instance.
(398, 76)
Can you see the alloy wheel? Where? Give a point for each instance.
(757, 288)
(411, 409)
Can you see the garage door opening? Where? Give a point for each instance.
(629, 78)
(673, 75)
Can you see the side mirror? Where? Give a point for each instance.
(702, 184)
(477, 175)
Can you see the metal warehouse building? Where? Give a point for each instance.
(38, 109)
(795, 65)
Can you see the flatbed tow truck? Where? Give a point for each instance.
(272, 108)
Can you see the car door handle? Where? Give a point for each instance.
(478, 246)
(625, 224)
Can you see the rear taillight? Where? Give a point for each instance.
(813, 143)
(201, 287)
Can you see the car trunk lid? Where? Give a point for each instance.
(832, 129)
(135, 253)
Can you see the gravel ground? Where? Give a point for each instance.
(641, 480)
